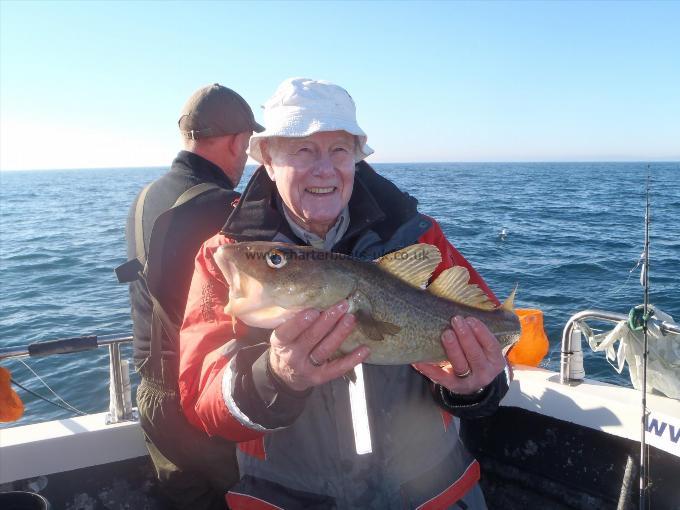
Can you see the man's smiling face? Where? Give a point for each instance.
(314, 176)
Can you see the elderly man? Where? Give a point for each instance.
(167, 223)
(279, 393)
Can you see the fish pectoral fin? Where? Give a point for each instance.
(373, 328)
(413, 264)
(453, 284)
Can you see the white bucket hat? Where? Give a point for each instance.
(301, 107)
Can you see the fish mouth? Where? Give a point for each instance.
(320, 191)
(232, 275)
(240, 286)
(248, 302)
(248, 299)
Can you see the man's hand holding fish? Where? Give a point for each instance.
(301, 348)
(474, 354)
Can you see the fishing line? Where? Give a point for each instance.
(41, 397)
(639, 262)
(72, 408)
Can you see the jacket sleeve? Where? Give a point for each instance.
(487, 400)
(225, 386)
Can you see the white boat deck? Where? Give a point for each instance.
(64, 445)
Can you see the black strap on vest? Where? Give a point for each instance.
(132, 269)
(137, 269)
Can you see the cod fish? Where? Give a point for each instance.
(397, 316)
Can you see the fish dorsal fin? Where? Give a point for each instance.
(413, 264)
(453, 284)
(509, 303)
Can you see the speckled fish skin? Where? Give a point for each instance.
(311, 278)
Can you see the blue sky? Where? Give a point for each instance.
(100, 84)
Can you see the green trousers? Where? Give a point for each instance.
(194, 471)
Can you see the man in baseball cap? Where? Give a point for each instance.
(167, 223)
(215, 123)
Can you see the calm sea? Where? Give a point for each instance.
(575, 231)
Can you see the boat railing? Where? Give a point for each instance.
(571, 356)
(120, 405)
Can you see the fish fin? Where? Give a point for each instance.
(413, 264)
(373, 328)
(350, 376)
(452, 284)
(509, 303)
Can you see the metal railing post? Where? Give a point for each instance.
(120, 407)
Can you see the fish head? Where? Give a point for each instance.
(270, 282)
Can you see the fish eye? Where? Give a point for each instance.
(276, 259)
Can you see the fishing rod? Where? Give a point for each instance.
(644, 279)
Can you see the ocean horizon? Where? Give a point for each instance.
(489, 162)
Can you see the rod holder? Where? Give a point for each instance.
(576, 370)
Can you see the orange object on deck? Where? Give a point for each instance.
(11, 407)
(533, 342)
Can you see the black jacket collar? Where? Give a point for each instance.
(190, 165)
(375, 203)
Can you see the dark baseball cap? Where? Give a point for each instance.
(215, 110)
